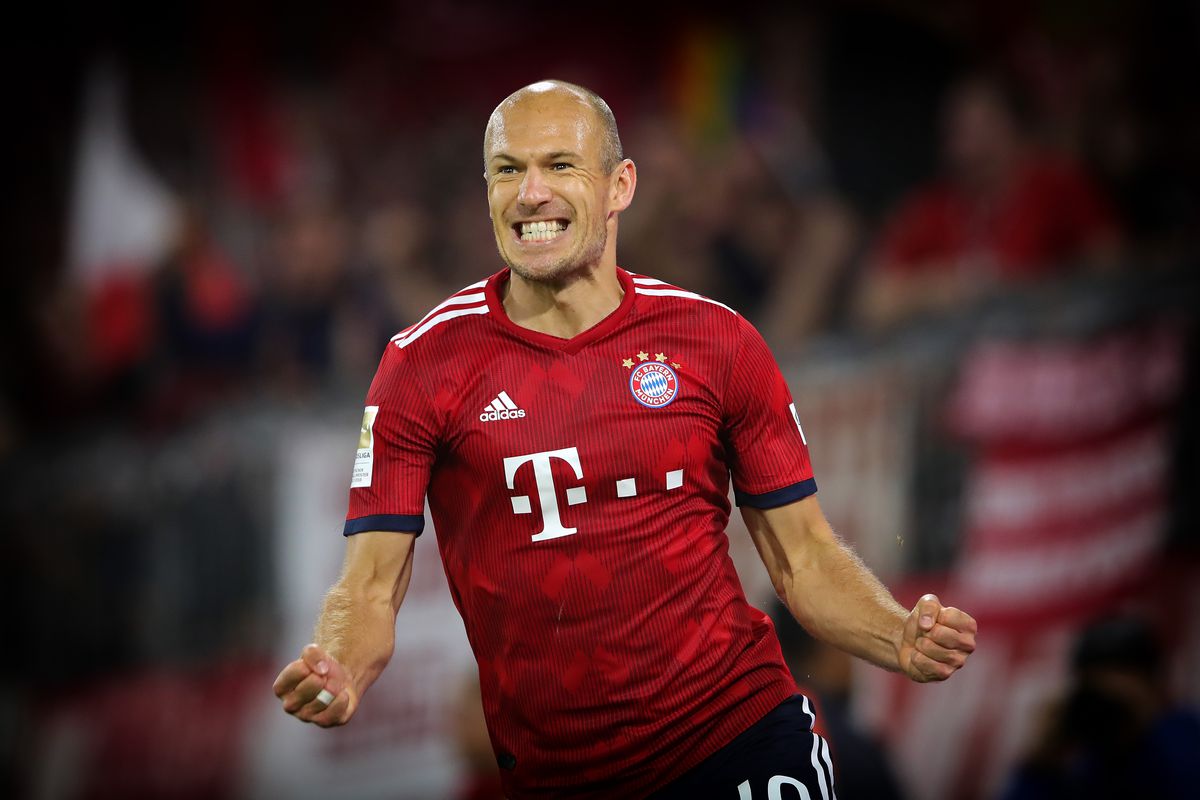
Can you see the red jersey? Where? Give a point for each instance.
(579, 492)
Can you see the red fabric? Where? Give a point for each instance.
(614, 658)
(217, 297)
(1049, 215)
(120, 322)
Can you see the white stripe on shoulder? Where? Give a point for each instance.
(403, 339)
(640, 281)
(681, 293)
(456, 300)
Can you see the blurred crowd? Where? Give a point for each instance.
(303, 183)
(840, 169)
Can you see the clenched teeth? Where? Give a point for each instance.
(542, 230)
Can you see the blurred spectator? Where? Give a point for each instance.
(396, 243)
(670, 199)
(1114, 732)
(305, 280)
(786, 237)
(1004, 212)
(207, 322)
(825, 673)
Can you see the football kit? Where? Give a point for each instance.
(579, 494)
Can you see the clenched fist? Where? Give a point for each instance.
(316, 688)
(936, 640)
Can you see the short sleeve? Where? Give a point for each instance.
(768, 454)
(396, 448)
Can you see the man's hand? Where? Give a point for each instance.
(301, 682)
(936, 640)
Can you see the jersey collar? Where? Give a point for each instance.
(495, 284)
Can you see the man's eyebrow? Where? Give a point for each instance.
(502, 157)
(562, 154)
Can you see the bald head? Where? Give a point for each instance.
(558, 91)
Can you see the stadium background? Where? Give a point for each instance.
(218, 214)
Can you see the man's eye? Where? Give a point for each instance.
(507, 170)
(560, 165)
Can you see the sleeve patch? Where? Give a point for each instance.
(365, 460)
(799, 427)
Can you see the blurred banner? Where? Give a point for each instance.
(862, 415)
(1069, 429)
(123, 222)
(123, 217)
(1066, 503)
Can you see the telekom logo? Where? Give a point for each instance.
(552, 526)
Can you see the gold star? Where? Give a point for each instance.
(900, 541)
(660, 357)
(675, 364)
(627, 363)
(643, 356)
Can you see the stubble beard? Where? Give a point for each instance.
(568, 266)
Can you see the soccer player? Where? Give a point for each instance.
(575, 428)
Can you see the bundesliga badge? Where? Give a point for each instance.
(653, 384)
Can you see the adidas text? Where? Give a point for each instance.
(501, 407)
(492, 416)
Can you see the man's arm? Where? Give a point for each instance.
(835, 597)
(355, 634)
(888, 296)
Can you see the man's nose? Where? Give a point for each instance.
(534, 191)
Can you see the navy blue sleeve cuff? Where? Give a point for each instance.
(398, 523)
(778, 497)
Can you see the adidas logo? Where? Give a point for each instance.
(502, 407)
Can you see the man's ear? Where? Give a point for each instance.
(623, 186)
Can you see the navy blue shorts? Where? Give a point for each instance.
(777, 758)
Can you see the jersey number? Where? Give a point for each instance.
(775, 789)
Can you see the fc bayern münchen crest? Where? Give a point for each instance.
(653, 384)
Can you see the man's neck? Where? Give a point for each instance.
(564, 309)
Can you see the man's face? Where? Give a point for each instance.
(547, 190)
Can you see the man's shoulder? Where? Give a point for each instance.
(669, 297)
(467, 304)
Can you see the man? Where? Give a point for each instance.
(574, 427)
